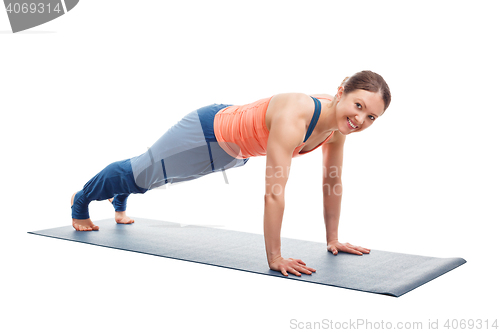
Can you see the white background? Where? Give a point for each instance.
(106, 80)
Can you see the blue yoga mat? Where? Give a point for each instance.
(379, 272)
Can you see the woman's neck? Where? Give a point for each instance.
(327, 121)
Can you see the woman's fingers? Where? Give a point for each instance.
(332, 249)
(294, 271)
(362, 249)
(359, 249)
(298, 261)
(353, 250)
(306, 270)
(350, 249)
(296, 266)
(303, 265)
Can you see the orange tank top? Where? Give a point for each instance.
(242, 132)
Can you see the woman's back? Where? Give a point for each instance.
(243, 130)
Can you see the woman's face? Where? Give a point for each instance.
(357, 110)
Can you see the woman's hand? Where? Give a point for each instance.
(291, 265)
(336, 247)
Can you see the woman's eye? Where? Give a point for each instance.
(372, 117)
(358, 105)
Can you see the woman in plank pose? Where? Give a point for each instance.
(220, 136)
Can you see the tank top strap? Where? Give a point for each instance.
(315, 117)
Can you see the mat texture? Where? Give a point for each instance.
(379, 272)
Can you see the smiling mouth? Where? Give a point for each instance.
(351, 124)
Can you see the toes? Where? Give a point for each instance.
(125, 221)
(80, 227)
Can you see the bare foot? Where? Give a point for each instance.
(121, 217)
(82, 225)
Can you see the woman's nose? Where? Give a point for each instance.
(359, 119)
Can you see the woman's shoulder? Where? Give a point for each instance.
(296, 106)
(290, 102)
(295, 99)
(299, 103)
(294, 96)
(327, 96)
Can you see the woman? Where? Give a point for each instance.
(218, 137)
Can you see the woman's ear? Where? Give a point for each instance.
(340, 91)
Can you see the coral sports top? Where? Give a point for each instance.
(242, 132)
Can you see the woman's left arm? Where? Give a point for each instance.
(333, 154)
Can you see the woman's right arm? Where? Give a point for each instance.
(286, 132)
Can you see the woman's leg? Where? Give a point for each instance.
(115, 179)
(119, 202)
(187, 151)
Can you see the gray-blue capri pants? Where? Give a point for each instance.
(188, 150)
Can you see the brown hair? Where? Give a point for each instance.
(368, 80)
